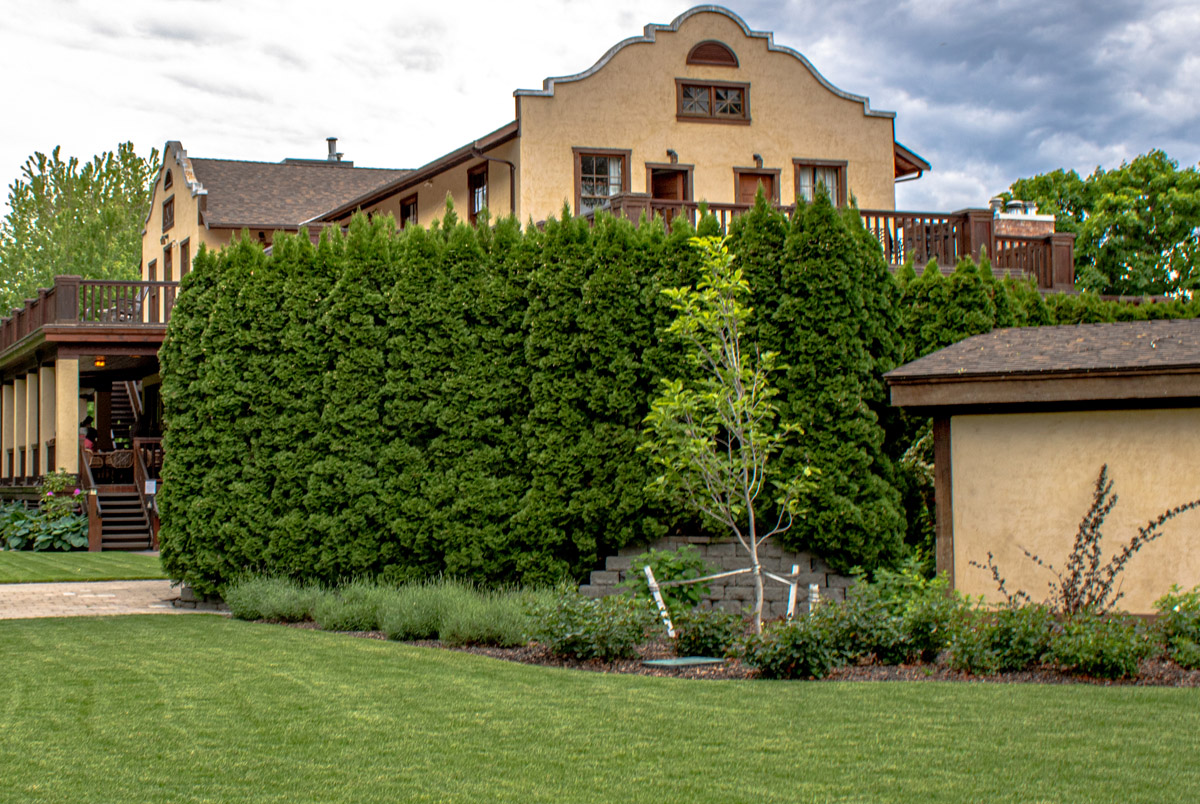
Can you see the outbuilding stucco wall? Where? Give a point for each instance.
(1025, 480)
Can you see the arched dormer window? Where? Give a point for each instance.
(167, 181)
(712, 52)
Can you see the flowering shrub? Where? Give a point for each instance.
(589, 628)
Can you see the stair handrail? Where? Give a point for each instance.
(91, 500)
(140, 475)
(135, 400)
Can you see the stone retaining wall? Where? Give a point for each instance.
(735, 593)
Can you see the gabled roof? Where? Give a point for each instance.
(278, 195)
(411, 178)
(1085, 362)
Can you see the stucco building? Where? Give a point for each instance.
(1023, 421)
(702, 109)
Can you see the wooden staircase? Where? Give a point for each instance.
(123, 521)
(124, 418)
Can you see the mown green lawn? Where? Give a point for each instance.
(198, 708)
(23, 566)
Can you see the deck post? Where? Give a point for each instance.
(977, 233)
(66, 298)
(8, 425)
(32, 468)
(66, 424)
(19, 427)
(1062, 260)
(47, 418)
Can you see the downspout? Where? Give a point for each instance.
(512, 176)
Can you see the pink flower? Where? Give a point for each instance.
(49, 493)
(77, 492)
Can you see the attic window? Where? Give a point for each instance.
(712, 101)
(167, 182)
(712, 52)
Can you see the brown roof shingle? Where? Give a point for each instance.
(274, 194)
(1133, 346)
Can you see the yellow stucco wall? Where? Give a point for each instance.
(1026, 480)
(187, 225)
(431, 194)
(630, 103)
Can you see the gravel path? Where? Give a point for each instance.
(89, 599)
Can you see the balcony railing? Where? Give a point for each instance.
(919, 236)
(74, 301)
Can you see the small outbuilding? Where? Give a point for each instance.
(1024, 419)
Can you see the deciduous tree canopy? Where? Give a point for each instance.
(65, 218)
(1138, 225)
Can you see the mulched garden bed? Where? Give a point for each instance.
(1152, 673)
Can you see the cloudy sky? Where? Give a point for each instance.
(986, 91)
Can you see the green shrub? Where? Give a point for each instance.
(680, 564)
(275, 599)
(1105, 646)
(1012, 638)
(805, 647)
(902, 616)
(1178, 626)
(592, 628)
(707, 633)
(353, 607)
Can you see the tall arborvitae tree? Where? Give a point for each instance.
(348, 513)
(587, 324)
(184, 549)
(302, 276)
(853, 514)
(921, 305)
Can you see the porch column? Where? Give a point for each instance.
(32, 406)
(66, 393)
(46, 418)
(8, 425)
(19, 426)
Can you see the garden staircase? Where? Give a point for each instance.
(124, 414)
(124, 524)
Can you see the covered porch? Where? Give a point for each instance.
(79, 394)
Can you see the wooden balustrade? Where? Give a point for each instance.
(147, 461)
(917, 236)
(91, 302)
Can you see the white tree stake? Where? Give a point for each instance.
(814, 597)
(791, 609)
(662, 607)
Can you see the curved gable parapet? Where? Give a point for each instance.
(650, 33)
(174, 150)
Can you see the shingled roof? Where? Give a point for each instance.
(276, 195)
(1126, 360)
(1124, 346)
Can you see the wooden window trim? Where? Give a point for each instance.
(841, 164)
(169, 203)
(680, 83)
(578, 152)
(738, 172)
(185, 257)
(152, 271)
(168, 264)
(693, 58)
(478, 170)
(409, 199)
(686, 169)
(168, 181)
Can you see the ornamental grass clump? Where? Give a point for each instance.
(353, 607)
(497, 617)
(275, 599)
(418, 610)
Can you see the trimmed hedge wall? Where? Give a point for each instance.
(468, 400)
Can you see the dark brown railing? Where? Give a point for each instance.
(917, 236)
(91, 302)
(147, 461)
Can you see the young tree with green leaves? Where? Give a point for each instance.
(712, 436)
(68, 218)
